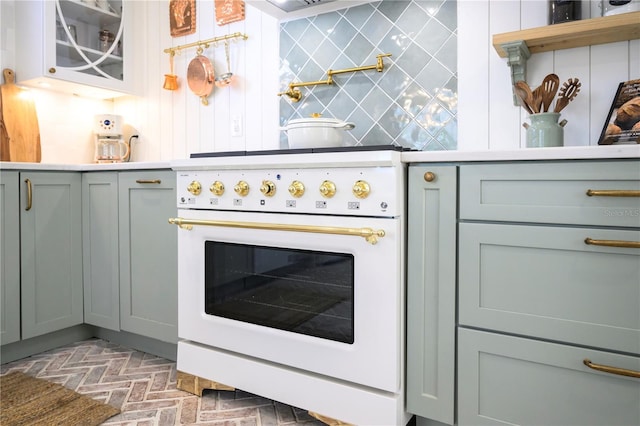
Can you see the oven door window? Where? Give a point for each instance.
(301, 291)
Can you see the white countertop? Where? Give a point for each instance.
(92, 167)
(555, 153)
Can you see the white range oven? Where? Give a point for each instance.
(291, 278)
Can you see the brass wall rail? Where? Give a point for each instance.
(368, 234)
(204, 44)
(295, 95)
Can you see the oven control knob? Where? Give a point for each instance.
(328, 189)
(194, 187)
(217, 188)
(361, 189)
(296, 189)
(268, 188)
(241, 188)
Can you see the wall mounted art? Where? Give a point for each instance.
(228, 11)
(182, 17)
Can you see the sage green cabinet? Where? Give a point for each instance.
(100, 256)
(9, 258)
(148, 254)
(50, 252)
(431, 291)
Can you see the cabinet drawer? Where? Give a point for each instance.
(511, 380)
(546, 282)
(552, 192)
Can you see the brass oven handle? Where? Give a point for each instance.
(612, 193)
(612, 370)
(368, 234)
(29, 195)
(158, 181)
(612, 243)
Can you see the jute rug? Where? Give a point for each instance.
(25, 400)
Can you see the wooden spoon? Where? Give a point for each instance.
(523, 91)
(568, 91)
(550, 88)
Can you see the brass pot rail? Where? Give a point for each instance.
(612, 193)
(295, 95)
(204, 44)
(612, 243)
(611, 370)
(368, 234)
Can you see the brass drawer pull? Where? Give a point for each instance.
(612, 370)
(612, 243)
(29, 194)
(158, 181)
(612, 193)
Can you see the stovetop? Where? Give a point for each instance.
(360, 148)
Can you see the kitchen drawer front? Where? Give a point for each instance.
(552, 193)
(511, 380)
(546, 282)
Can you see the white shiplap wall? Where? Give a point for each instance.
(487, 117)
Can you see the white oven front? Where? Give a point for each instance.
(322, 294)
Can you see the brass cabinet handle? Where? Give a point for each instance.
(612, 243)
(612, 193)
(368, 234)
(29, 194)
(429, 176)
(158, 181)
(612, 370)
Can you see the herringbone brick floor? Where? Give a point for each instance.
(143, 387)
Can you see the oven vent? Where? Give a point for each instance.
(292, 5)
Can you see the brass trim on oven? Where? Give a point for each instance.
(612, 193)
(612, 243)
(371, 235)
(612, 370)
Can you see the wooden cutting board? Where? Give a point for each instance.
(19, 120)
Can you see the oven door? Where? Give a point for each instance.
(295, 290)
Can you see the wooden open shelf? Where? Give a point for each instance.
(586, 32)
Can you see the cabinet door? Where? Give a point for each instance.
(61, 42)
(508, 380)
(148, 254)
(9, 258)
(431, 292)
(100, 249)
(51, 251)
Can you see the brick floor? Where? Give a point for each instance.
(143, 387)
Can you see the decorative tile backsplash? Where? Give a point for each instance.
(412, 103)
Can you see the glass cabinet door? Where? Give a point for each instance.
(89, 37)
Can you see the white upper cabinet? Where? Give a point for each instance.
(81, 47)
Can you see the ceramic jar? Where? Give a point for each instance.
(544, 130)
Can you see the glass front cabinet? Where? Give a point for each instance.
(75, 46)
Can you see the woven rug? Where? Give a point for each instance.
(25, 400)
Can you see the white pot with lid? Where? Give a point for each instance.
(316, 132)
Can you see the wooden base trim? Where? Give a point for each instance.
(195, 385)
(328, 420)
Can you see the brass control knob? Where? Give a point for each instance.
(217, 188)
(296, 189)
(241, 188)
(194, 187)
(328, 189)
(361, 189)
(268, 188)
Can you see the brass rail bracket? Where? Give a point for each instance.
(295, 95)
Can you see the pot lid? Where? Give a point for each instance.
(315, 118)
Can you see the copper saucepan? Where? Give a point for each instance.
(200, 77)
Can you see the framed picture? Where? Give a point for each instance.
(623, 122)
(182, 17)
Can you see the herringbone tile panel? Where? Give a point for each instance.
(143, 386)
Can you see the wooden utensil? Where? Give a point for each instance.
(523, 91)
(568, 92)
(549, 89)
(20, 120)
